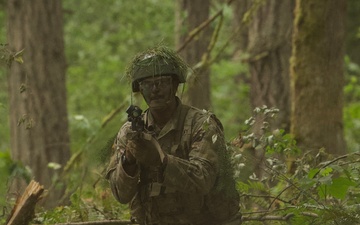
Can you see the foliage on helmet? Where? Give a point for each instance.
(154, 62)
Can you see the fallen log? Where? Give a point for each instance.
(24, 209)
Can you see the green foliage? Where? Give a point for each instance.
(5, 168)
(4, 126)
(232, 107)
(273, 141)
(352, 106)
(308, 190)
(98, 148)
(83, 128)
(2, 25)
(95, 204)
(8, 170)
(101, 38)
(352, 126)
(99, 48)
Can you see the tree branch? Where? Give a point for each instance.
(264, 196)
(201, 27)
(333, 161)
(24, 209)
(263, 218)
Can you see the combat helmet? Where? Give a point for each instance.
(154, 62)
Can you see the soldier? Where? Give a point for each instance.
(175, 169)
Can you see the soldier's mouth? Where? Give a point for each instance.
(156, 98)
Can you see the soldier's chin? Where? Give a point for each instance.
(158, 104)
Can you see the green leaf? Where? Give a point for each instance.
(312, 173)
(339, 187)
(322, 191)
(326, 171)
(327, 180)
(242, 187)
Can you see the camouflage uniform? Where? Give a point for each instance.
(187, 190)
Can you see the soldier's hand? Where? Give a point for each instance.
(146, 150)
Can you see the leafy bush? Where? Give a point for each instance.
(292, 187)
(87, 204)
(230, 95)
(311, 188)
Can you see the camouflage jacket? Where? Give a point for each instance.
(188, 190)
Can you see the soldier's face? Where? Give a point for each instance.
(158, 91)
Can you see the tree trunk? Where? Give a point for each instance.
(270, 49)
(352, 32)
(198, 85)
(317, 75)
(38, 112)
(241, 27)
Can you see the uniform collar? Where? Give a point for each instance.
(172, 124)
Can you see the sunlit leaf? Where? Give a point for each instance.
(54, 165)
(326, 171)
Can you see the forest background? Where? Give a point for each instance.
(102, 37)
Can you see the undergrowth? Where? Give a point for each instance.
(278, 183)
(287, 187)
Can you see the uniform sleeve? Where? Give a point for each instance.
(198, 174)
(123, 186)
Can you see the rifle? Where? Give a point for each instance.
(138, 126)
(135, 117)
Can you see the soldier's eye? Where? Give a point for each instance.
(162, 82)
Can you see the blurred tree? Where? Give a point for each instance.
(240, 24)
(189, 15)
(269, 49)
(317, 75)
(38, 112)
(353, 31)
(264, 41)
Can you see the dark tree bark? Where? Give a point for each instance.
(241, 27)
(198, 85)
(269, 48)
(265, 35)
(317, 75)
(38, 112)
(353, 25)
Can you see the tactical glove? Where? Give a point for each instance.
(146, 150)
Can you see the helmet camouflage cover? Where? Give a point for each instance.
(154, 62)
